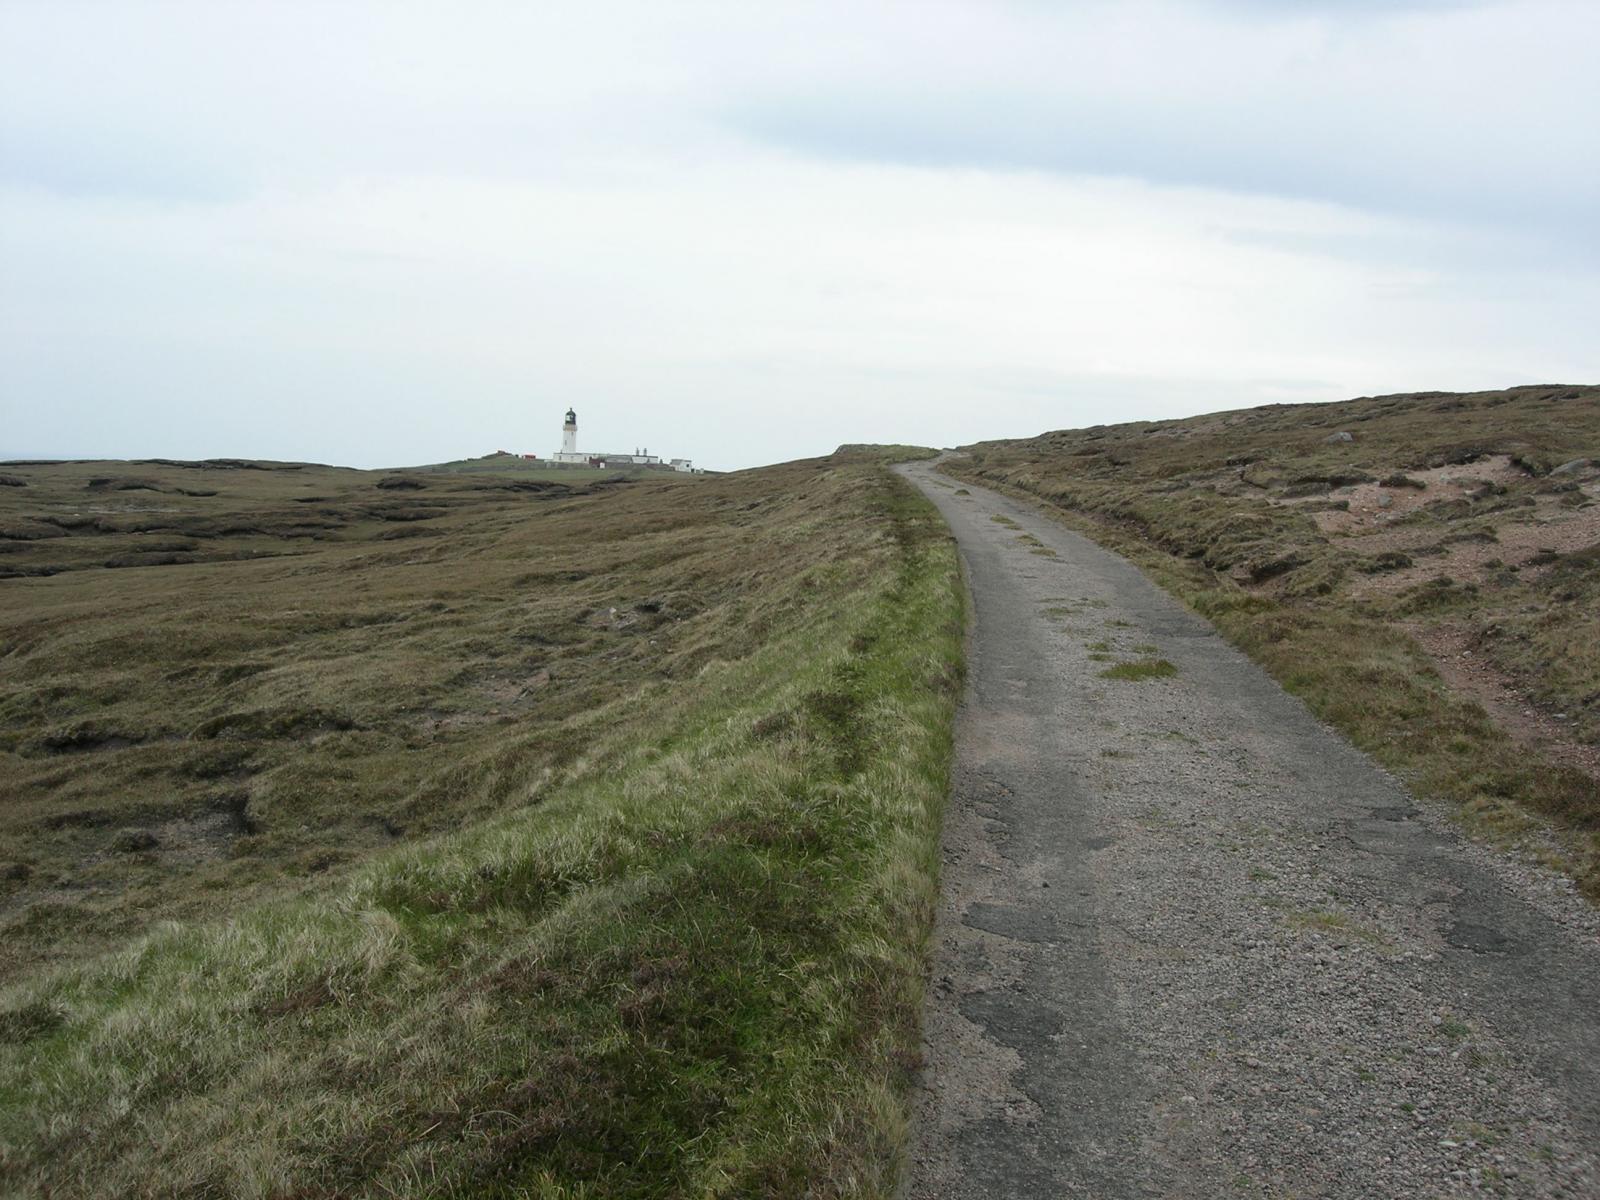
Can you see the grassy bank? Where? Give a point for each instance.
(680, 959)
(1423, 570)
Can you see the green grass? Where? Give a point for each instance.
(1331, 921)
(1144, 668)
(1221, 510)
(1034, 545)
(675, 943)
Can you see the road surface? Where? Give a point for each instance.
(1193, 944)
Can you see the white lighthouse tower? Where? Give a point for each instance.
(569, 442)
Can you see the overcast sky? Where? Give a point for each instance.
(745, 232)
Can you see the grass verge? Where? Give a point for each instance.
(689, 966)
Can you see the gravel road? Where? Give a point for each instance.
(1193, 944)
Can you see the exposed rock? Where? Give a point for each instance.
(1341, 436)
(1574, 467)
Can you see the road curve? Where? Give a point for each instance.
(1193, 944)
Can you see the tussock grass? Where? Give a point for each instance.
(1221, 510)
(680, 957)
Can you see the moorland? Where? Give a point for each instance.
(403, 833)
(492, 830)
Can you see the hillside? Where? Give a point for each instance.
(404, 834)
(518, 467)
(1423, 569)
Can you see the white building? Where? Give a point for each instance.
(569, 442)
(639, 458)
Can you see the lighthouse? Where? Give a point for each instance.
(569, 443)
(568, 454)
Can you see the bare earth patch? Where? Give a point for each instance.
(1375, 505)
(1527, 544)
(1464, 668)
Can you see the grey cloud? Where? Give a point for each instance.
(1449, 111)
(1216, 150)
